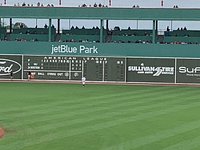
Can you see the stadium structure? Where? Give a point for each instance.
(99, 53)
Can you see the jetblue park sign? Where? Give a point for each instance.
(66, 49)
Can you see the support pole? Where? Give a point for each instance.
(50, 22)
(107, 25)
(58, 26)
(101, 30)
(154, 32)
(10, 25)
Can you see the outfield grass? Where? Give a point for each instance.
(99, 117)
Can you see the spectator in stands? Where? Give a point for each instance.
(146, 34)
(38, 4)
(23, 4)
(168, 28)
(175, 6)
(185, 28)
(84, 5)
(21, 26)
(45, 26)
(95, 5)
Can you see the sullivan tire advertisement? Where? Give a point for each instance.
(150, 70)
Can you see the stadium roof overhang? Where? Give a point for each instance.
(100, 13)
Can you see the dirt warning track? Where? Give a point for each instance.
(2, 133)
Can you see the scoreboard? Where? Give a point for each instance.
(73, 68)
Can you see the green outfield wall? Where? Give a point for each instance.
(109, 62)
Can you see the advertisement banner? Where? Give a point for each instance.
(10, 67)
(188, 71)
(150, 70)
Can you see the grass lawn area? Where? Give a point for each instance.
(47, 116)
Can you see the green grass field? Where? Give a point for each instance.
(40, 116)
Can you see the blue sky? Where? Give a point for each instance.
(65, 24)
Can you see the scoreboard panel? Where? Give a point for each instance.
(47, 67)
(93, 68)
(114, 69)
(73, 68)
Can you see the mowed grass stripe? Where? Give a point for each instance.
(99, 121)
(185, 144)
(113, 117)
(85, 120)
(71, 133)
(161, 135)
(74, 104)
(82, 100)
(106, 101)
(103, 113)
(80, 122)
(118, 106)
(59, 102)
(71, 110)
(61, 134)
(63, 101)
(184, 141)
(176, 120)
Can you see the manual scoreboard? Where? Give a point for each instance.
(73, 68)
